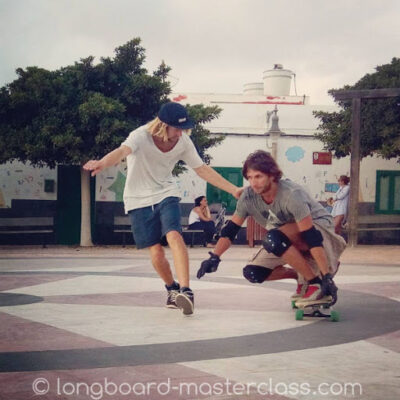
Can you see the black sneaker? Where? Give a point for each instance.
(173, 291)
(185, 301)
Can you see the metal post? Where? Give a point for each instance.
(354, 170)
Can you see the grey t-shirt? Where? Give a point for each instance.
(291, 204)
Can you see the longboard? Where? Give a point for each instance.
(321, 309)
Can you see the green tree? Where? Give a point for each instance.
(81, 112)
(380, 118)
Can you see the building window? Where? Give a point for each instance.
(387, 192)
(215, 195)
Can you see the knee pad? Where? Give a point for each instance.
(276, 242)
(313, 237)
(256, 274)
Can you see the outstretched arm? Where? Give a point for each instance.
(228, 234)
(211, 176)
(110, 159)
(224, 242)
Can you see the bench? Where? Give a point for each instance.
(122, 224)
(375, 222)
(27, 225)
(254, 231)
(191, 232)
(378, 222)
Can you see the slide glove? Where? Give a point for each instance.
(210, 265)
(329, 288)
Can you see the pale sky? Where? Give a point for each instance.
(212, 45)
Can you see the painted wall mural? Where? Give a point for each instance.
(23, 181)
(294, 154)
(331, 187)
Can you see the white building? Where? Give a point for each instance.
(248, 122)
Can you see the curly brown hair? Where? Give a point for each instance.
(262, 161)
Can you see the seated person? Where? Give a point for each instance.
(200, 218)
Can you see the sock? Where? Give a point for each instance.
(185, 289)
(174, 286)
(317, 279)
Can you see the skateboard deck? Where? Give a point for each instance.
(322, 309)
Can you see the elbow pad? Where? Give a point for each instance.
(312, 237)
(230, 230)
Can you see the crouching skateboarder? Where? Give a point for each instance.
(300, 234)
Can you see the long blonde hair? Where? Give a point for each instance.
(158, 128)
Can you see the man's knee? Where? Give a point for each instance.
(256, 273)
(276, 242)
(157, 253)
(174, 237)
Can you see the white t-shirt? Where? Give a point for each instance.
(149, 179)
(193, 217)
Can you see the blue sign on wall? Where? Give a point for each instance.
(331, 187)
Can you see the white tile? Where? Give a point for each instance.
(58, 269)
(148, 325)
(366, 278)
(107, 284)
(373, 367)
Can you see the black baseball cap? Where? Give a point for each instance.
(175, 115)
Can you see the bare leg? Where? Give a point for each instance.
(281, 272)
(181, 257)
(295, 258)
(338, 220)
(161, 264)
(319, 256)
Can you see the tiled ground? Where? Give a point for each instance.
(92, 325)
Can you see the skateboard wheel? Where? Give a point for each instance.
(335, 316)
(299, 315)
(294, 304)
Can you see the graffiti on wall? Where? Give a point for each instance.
(331, 187)
(294, 154)
(190, 186)
(319, 180)
(23, 181)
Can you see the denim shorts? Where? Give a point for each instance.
(150, 224)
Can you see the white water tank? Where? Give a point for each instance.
(254, 88)
(277, 81)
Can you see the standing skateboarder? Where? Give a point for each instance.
(151, 197)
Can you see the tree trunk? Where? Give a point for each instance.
(86, 231)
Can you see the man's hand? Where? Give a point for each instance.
(210, 265)
(110, 159)
(94, 166)
(237, 193)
